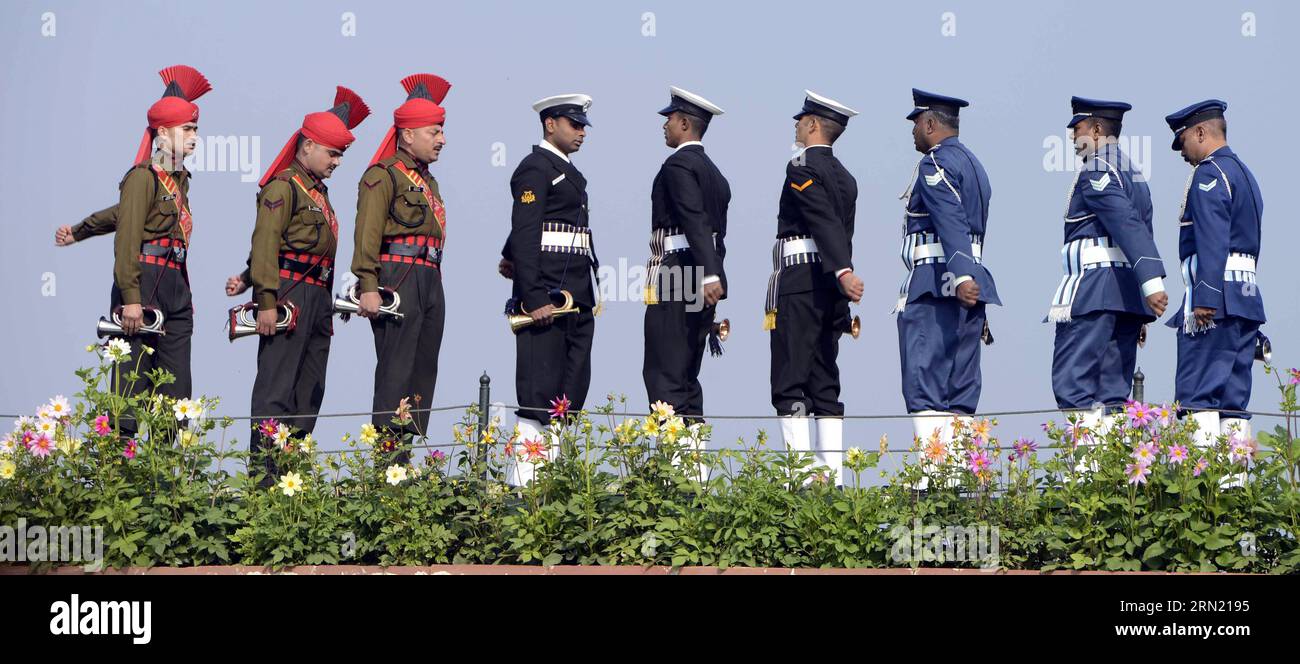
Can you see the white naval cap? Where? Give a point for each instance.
(690, 104)
(825, 107)
(572, 106)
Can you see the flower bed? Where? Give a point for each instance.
(637, 491)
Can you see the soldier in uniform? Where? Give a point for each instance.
(685, 278)
(1218, 245)
(941, 318)
(812, 283)
(401, 229)
(550, 250)
(1114, 279)
(153, 235)
(292, 263)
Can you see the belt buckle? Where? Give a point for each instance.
(434, 254)
(325, 273)
(178, 254)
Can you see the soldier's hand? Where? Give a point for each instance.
(132, 319)
(235, 285)
(368, 307)
(266, 321)
(851, 285)
(543, 315)
(713, 293)
(63, 236)
(506, 268)
(1158, 303)
(968, 293)
(1204, 315)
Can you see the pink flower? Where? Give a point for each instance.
(101, 425)
(1201, 465)
(560, 406)
(1139, 414)
(1295, 376)
(1137, 473)
(40, 446)
(978, 461)
(130, 450)
(1242, 451)
(438, 456)
(534, 450)
(1177, 455)
(1023, 448)
(1164, 415)
(268, 427)
(1146, 453)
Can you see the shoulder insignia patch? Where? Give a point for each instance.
(369, 184)
(801, 187)
(273, 205)
(935, 179)
(527, 197)
(1206, 186)
(1100, 183)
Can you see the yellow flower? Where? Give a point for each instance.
(853, 457)
(7, 469)
(187, 438)
(368, 434)
(290, 483)
(935, 450)
(673, 428)
(68, 445)
(661, 410)
(396, 474)
(305, 444)
(650, 427)
(981, 428)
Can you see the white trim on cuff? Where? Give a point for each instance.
(1152, 286)
(961, 280)
(840, 272)
(711, 279)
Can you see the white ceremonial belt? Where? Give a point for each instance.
(566, 239)
(1239, 263)
(796, 247)
(1099, 254)
(935, 250)
(676, 243)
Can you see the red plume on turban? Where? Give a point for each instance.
(328, 128)
(184, 85)
(424, 93)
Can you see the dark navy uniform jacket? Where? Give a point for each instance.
(547, 189)
(1222, 211)
(1110, 199)
(689, 193)
(819, 199)
(950, 197)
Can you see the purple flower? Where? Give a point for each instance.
(1146, 453)
(1201, 465)
(1023, 448)
(1177, 455)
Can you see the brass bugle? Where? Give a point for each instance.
(348, 303)
(851, 325)
(243, 319)
(521, 320)
(153, 323)
(722, 329)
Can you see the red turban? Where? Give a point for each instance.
(328, 128)
(424, 93)
(184, 85)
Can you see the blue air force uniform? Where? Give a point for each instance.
(1111, 266)
(947, 206)
(1218, 246)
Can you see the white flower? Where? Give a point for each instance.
(290, 483)
(416, 472)
(58, 407)
(47, 427)
(305, 444)
(22, 423)
(7, 445)
(117, 350)
(396, 474)
(661, 410)
(368, 434)
(44, 413)
(187, 409)
(282, 435)
(7, 469)
(187, 438)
